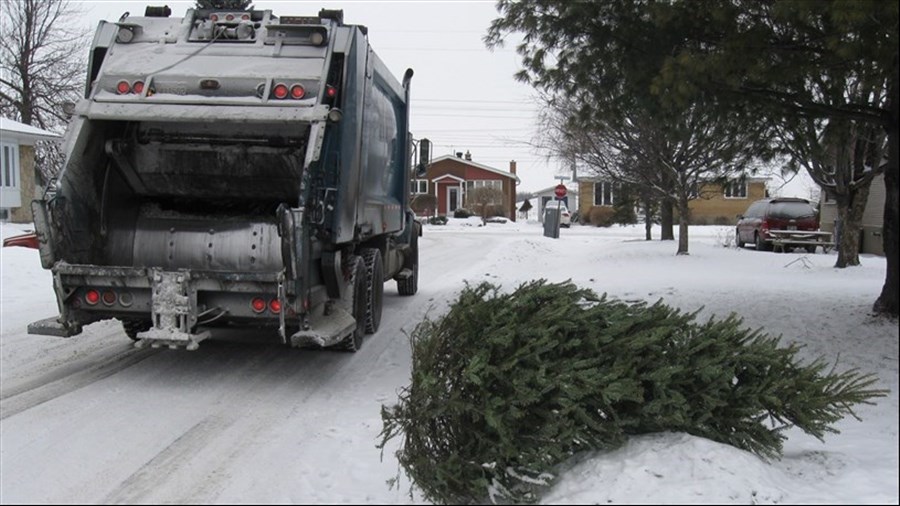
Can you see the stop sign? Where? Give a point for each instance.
(560, 191)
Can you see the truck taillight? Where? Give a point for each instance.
(258, 305)
(138, 87)
(297, 91)
(330, 91)
(280, 91)
(92, 297)
(275, 306)
(109, 298)
(123, 87)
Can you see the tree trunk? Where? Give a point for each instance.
(887, 301)
(648, 217)
(684, 216)
(667, 219)
(850, 212)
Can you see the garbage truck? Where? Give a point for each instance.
(232, 168)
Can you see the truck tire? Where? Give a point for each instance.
(357, 295)
(133, 327)
(374, 287)
(410, 285)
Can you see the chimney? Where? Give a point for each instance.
(459, 154)
(468, 155)
(512, 167)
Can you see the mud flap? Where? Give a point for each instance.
(174, 312)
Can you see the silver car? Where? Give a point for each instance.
(565, 218)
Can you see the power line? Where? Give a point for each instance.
(467, 100)
(442, 50)
(436, 115)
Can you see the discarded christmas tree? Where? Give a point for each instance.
(507, 386)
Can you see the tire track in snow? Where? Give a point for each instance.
(178, 471)
(56, 383)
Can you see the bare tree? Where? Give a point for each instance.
(42, 66)
(672, 156)
(487, 200)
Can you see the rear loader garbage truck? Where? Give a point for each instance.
(232, 168)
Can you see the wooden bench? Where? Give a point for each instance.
(787, 238)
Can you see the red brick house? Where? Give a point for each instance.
(452, 178)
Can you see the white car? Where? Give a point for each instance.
(565, 218)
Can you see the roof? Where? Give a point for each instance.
(25, 134)
(476, 165)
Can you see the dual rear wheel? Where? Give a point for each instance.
(366, 295)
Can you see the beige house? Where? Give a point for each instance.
(871, 238)
(716, 204)
(17, 172)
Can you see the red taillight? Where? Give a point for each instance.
(92, 297)
(214, 17)
(109, 298)
(123, 87)
(245, 17)
(138, 87)
(258, 305)
(275, 306)
(280, 91)
(297, 91)
(229, 17)
(330, 91)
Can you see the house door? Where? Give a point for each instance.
(452, 198)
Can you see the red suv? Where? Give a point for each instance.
(784, 213)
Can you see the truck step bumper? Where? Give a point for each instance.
(325, 331)
(173, 339)
(52, 327)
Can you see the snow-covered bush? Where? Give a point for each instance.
(507, 386)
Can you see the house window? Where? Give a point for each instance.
(484, 183)
(736, 190)
(603, 194)
(9, 165)
(420, 186)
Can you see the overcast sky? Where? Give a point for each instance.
(464, 96)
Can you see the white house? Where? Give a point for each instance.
(17, 184)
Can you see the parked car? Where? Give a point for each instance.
(781, 213)
(565, 218)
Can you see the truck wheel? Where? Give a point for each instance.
(374, 288)
(410, 285)
(133, 327)
(357, 304)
